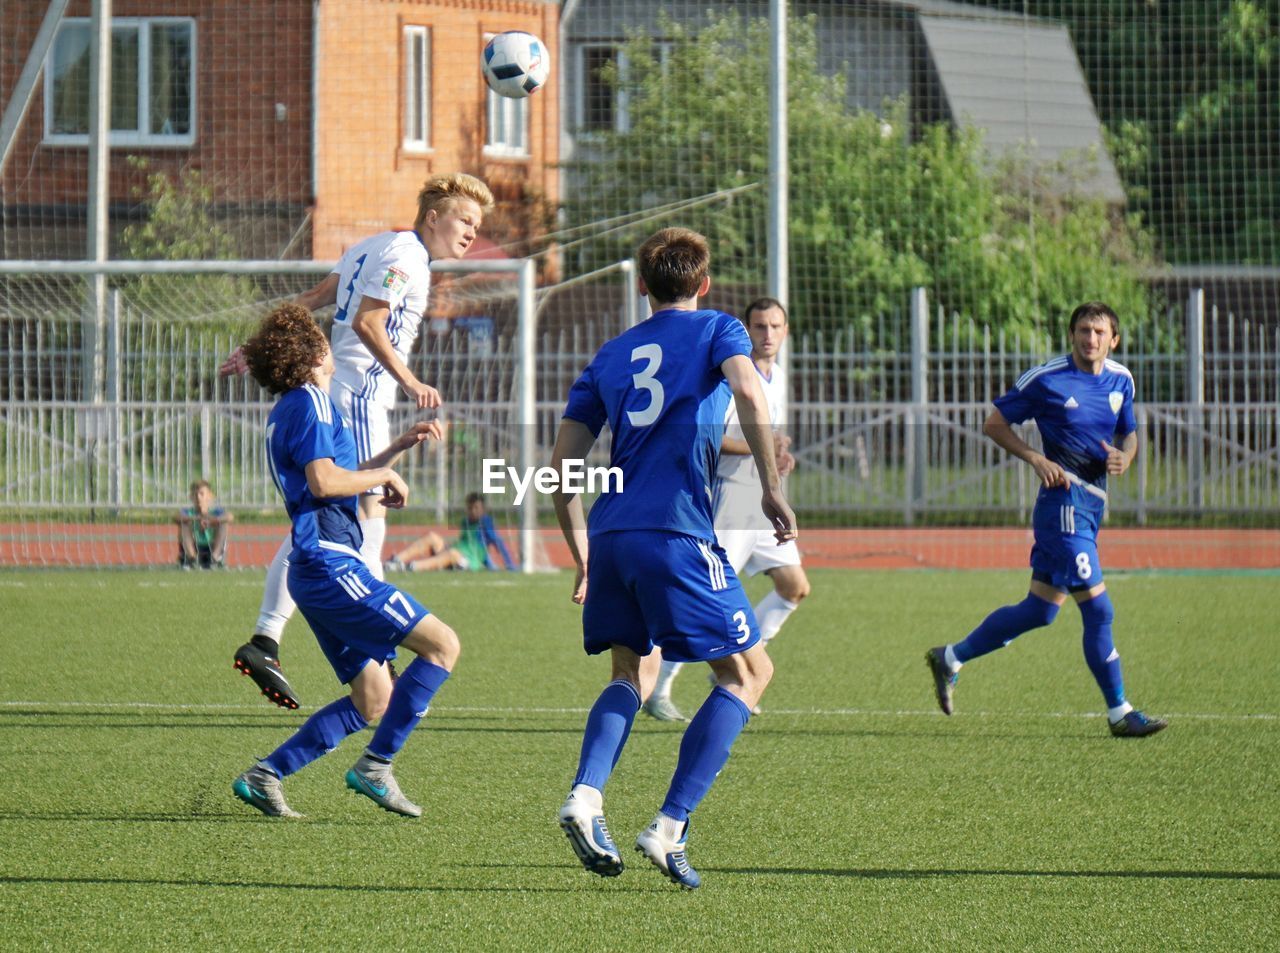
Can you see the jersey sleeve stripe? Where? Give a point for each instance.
(1056, 364)
(1118, 368)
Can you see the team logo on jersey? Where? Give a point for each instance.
(1117, 401)
(395, 279)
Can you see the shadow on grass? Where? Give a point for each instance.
(888, 873)
(923, 873)
(275, 885)
(175, 817)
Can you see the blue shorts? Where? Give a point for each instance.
(1065, 554)
(356, 618)
(651, 587)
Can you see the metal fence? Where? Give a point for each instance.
(893, 432)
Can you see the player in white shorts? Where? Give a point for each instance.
(381, 287)
(741, 529)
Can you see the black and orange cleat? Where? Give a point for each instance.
(264, 669)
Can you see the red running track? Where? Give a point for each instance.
(90, 545)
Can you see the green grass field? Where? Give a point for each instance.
(852, 816)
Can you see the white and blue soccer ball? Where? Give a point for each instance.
(515, 64)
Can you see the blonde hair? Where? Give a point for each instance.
(440, 191)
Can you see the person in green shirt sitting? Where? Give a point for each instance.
(471, 550)
(202, 530)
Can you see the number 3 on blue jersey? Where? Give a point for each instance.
(647, 380)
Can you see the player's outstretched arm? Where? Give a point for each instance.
(753, 414)
(390, 456)
(320, 295)
(1003, 435)
(326, 480)
(573, 442)
(370, 325)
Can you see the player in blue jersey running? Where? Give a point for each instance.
(357, 619)
(649, 570)
(1083, 407)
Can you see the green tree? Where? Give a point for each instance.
(1187, 93)
(877, 207)
(181, 226)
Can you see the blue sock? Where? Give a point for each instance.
(1099, 649)
(704, 750)
(1004, 625)
(415, 688)
(608, 725)
(322, 732)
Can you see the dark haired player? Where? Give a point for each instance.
(654, 574)
(1083, 407)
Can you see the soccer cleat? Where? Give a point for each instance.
(589, 837)
(376, 782)
(259, 788)
(667, 852)
(662, 709)
(1136, 725)
(944, 680)
(394, 565)
(265, 671)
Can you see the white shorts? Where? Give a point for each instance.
(752, 551)
(368, 421)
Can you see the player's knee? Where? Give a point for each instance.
(448, 646)
(371, 698)
(1098, 610)
(794, 590)
(1039, 612)
(759, 671)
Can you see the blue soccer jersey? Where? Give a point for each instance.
(305, 426)
(658, 385)
(1075, 412)
(356, 618)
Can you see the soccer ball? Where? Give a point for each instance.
(515, 64)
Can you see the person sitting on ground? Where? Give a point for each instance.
(202, 530)
(471, 550)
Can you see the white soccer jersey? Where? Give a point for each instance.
(738, 469)
(741, 527)
(393, 267)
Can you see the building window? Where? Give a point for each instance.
(599, 108)
(507, 123)
(153, 82)
(417, 88)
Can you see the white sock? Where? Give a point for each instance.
(771, 612)
(949, 656)
(277, 605)
(666, 675)
(375, 533)
(1115, 714)
(670, 828)
(588, 795)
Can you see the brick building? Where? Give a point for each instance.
(311, 124)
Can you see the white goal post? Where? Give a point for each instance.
(523, 270)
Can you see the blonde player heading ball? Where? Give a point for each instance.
(741, 529)
(380, 286)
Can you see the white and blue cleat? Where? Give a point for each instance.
(663, 842)
(583, 823)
